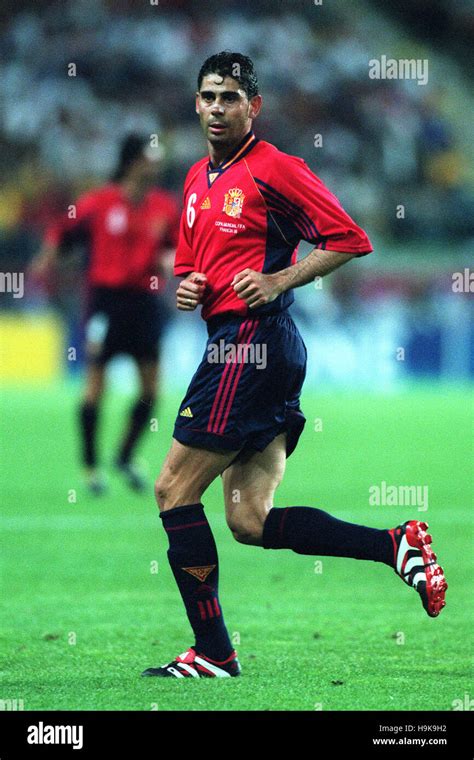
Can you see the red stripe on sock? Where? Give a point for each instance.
(202, 611)
(216, 607)
(209, 608)
(182, 527)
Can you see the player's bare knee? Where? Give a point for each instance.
(248, 534)
(165, 488)
(245, 537)
(165, 493)
(172, 490)
(246, 529)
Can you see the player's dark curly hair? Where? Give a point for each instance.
(235, 65)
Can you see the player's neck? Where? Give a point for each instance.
(218, 153)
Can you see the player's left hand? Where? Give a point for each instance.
(255, 288)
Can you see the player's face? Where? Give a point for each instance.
(224, 110)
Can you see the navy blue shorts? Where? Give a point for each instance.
(247, 387)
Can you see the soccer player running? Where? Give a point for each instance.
(246, 207)
(131, 228)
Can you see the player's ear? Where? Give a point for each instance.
(255, 105)
(197, 102)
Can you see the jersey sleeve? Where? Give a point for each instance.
(83, 211)
(315, 212)
(184, 257)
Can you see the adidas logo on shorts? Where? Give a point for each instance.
(186, 412)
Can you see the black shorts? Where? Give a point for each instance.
(123, 321)
(247, 387)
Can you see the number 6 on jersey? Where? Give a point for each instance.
(191, 211)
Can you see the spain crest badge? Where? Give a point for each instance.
(233, 202)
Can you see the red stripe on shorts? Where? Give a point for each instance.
(223, 384)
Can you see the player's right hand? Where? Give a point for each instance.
(190, 291)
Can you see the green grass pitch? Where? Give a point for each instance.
(85, 613)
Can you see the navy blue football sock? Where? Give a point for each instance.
(306, 530)
(193, 559)
(88, 420)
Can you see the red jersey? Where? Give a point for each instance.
(126, 239)
(252, 211)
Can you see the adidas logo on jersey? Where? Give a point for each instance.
(206, 203)
(186, 412)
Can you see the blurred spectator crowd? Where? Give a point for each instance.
(385, 143)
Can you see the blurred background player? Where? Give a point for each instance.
(130, 227)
